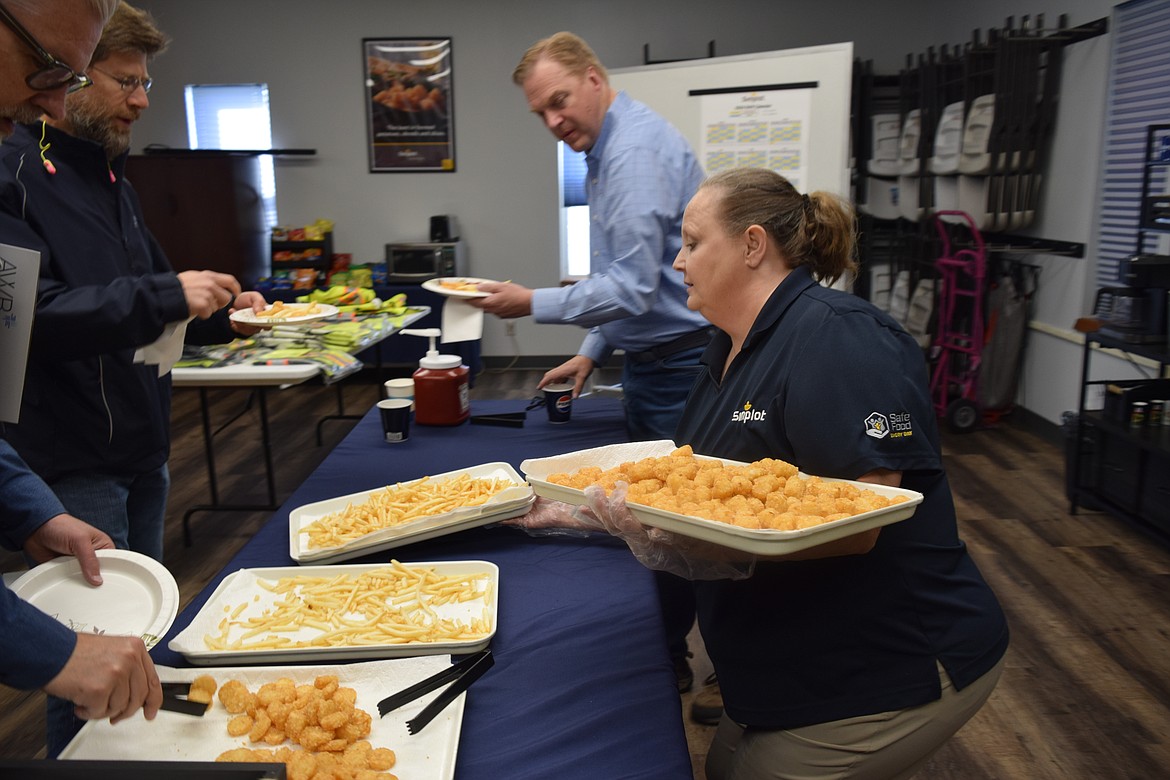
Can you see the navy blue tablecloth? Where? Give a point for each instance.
(582, 686)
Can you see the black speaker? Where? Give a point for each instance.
(443, 229)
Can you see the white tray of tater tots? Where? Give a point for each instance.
(289, 614)
(176, 737)
(338, 529)
(764, 508)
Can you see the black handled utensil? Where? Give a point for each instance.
(460, 676)
(173, 700)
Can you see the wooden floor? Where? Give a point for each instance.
(1086, 691)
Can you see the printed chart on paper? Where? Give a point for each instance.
(758, 129)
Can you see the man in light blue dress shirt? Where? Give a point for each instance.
(641, 175)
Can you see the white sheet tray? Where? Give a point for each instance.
(750, 540)
(511, 502)
(243, 587)
(174, 737)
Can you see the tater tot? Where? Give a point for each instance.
(260, 726)
(327, 684)
(239, 725)
(382, 759)
(314, 737)
(234, 696)
(202, 689)
(274, 736)
(237, 755)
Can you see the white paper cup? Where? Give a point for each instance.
(400, 388)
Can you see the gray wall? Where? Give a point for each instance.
(504, 189)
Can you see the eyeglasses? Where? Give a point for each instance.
(54, 74)
(127, 83)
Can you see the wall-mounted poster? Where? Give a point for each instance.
(409, 104)
(758, 127)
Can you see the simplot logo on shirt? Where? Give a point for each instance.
(749, 414)
(896, 425)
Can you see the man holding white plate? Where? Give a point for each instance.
(95, 418)
(104, 676)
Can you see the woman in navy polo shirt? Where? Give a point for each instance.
(861, 657)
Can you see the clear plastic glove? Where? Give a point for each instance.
(556, 518)
(691, 559)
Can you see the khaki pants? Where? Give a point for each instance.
(885, 746)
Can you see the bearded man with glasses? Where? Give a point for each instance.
(95, 424)
(44, 47)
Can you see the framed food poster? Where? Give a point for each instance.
(409, 104)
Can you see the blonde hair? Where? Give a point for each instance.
(130, 30)
(564, 48)
(817, 230)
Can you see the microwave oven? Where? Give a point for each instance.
(417, 262)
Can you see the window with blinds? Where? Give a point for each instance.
(234, 116)
(574, 214)
(1139, 96)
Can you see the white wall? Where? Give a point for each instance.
(504, 189)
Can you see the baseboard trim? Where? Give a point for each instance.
(1037, 425)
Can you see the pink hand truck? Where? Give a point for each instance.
(958, 340)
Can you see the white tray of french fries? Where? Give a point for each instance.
(758, 541)
(343, 613)
(338, 529)
(431, 753)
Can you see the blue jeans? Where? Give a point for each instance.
(655, 393)
(130, 508)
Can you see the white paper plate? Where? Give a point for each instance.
(762, 541)
(242, 587)
(436, 286)
(170, 736)
(248, 317)
(137, 597)
(511, 502)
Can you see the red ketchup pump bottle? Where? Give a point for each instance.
(440, 385)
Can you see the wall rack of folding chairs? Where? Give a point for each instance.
(960, 129)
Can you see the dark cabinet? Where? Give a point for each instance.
(205, 209)
(1122, 468)
(1155, 499)
(1119, 471)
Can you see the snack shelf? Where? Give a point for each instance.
(287, 255)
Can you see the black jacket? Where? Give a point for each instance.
(105, 289)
